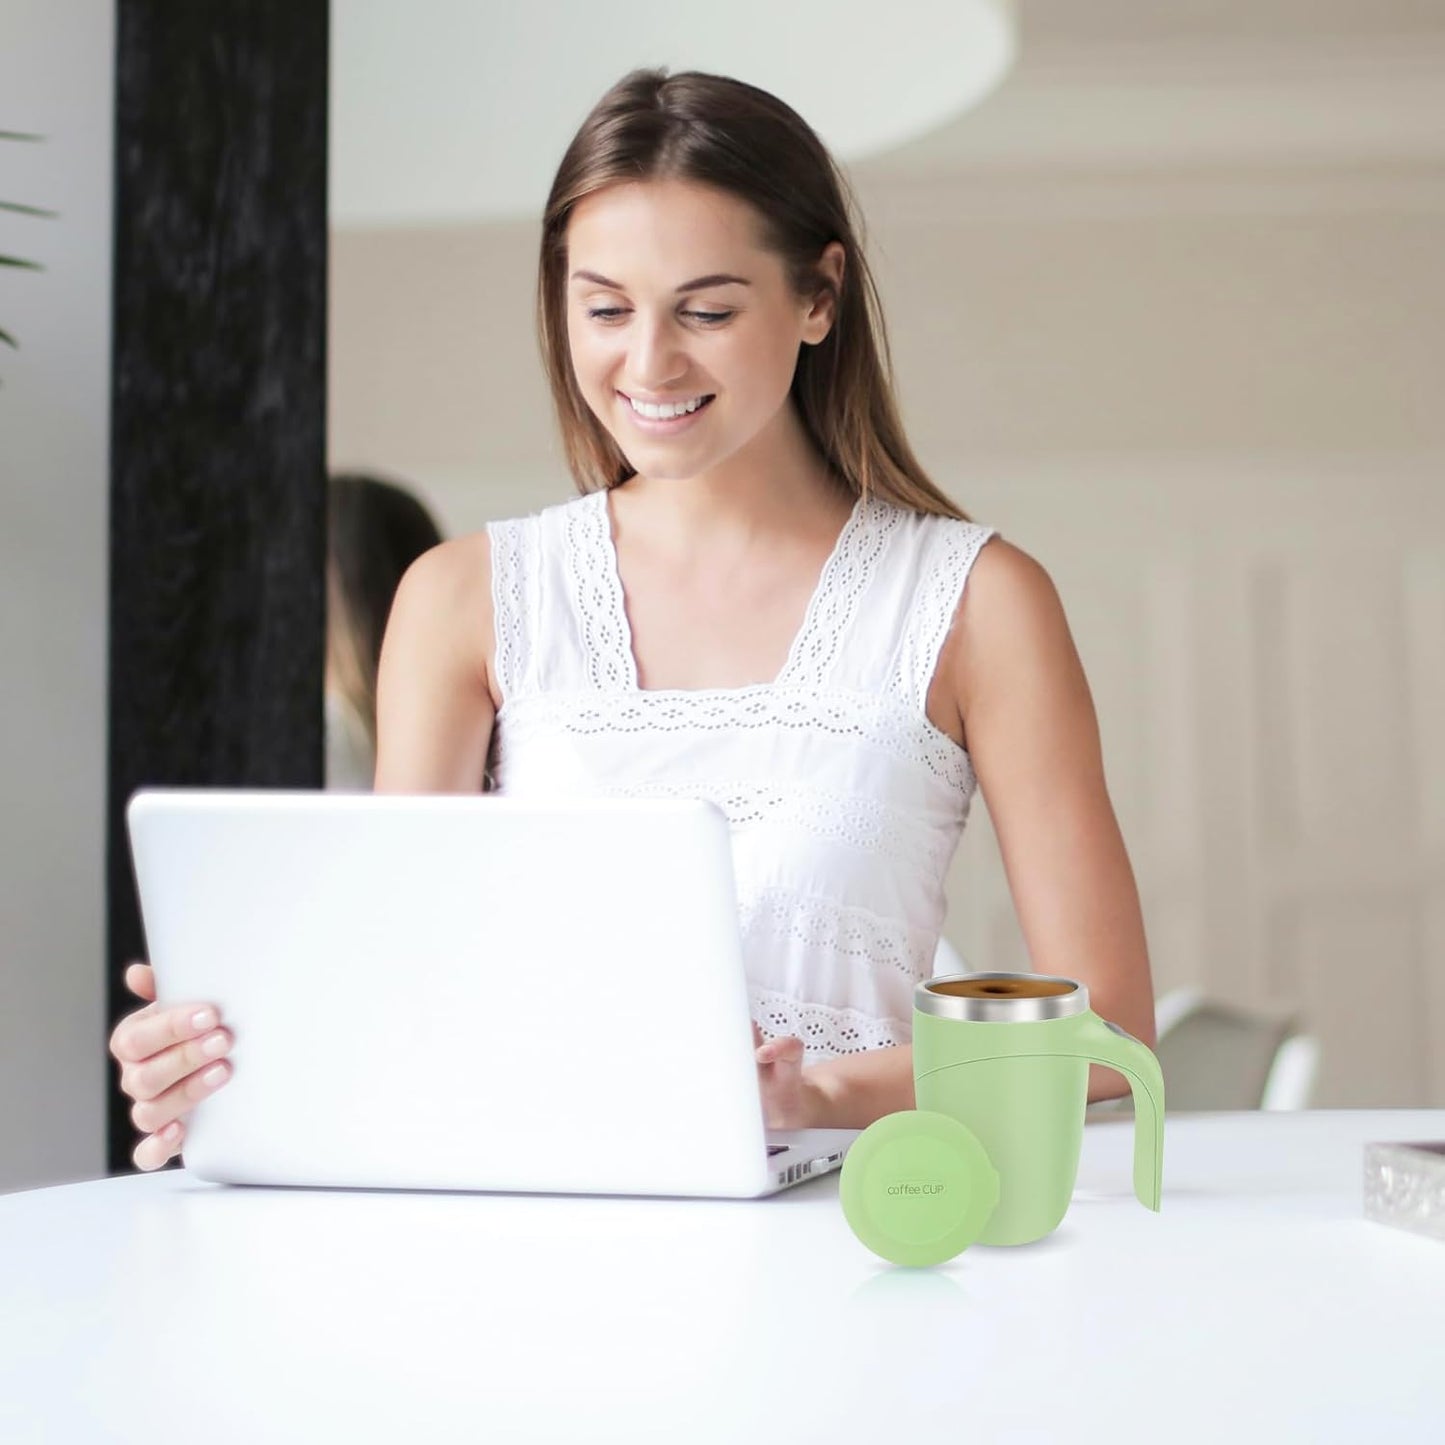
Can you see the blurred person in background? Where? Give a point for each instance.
(375, 530)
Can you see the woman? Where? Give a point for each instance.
(759, 598)
(375, 530)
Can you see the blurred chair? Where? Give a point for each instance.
(947, 959)
(1217, 1055)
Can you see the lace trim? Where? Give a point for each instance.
(826, 1032)
(840, 930)
(879, 720)
(840, 589)
(601, 609)
(508, 602)
(937, 604)
(591, 560)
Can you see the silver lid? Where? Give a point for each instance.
(1001, 998)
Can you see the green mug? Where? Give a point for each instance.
(1007, 1055)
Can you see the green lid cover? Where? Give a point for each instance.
(917, 1187)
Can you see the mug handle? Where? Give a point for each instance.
(1105, 1043)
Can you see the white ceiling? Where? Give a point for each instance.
(451, 110)
(417, 107)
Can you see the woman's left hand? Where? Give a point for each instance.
(787, 1098)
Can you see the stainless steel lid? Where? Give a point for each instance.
(1001, 998)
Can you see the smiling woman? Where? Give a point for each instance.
(765, 603)
(760, 599)
(774, 245)
(660, 357)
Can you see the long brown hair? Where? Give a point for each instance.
(723, 133)
(375, 530)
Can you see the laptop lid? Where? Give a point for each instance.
(459, 992)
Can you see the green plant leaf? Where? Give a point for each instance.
(15, 208)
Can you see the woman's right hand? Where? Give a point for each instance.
(170, 1059)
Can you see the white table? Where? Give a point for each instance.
(1259, 1306)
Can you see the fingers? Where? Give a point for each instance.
(155, 1149)
(149, 1030)
(151, 1077)
(757, 1035)
(170, 1060)
(153, 1116)
(140, 979)
(788, 1049)
(781, 1083)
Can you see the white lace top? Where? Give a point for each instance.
(845, 802)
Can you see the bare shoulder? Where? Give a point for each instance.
(1008, 592)
(457, 569)
(444, 603)
(1010, 637)
(434, 698)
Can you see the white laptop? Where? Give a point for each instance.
(464, 992)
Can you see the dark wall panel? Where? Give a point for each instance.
(218, 506)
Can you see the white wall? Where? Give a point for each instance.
(56, 78)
